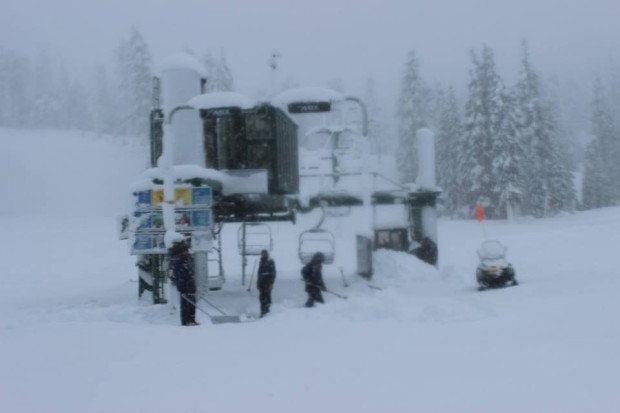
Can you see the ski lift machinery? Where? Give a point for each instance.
(308, 107)
(235, 143)
(247, 186)
(311, 108)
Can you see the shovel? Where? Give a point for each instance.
(215, 319)
(344, 297)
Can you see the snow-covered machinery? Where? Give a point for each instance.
(337, 171)
(417, 201)
(494, 270)
(242, 138)
(223, 157)
(332, 144)
(215, 158)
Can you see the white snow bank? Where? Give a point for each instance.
(401, 270)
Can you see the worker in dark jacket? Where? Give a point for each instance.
(186, 284)
(313, 277)
(427, 251)
(266, 278)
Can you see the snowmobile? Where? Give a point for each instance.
(494, 270)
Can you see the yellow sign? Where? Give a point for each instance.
(182, 197)
(157, 197)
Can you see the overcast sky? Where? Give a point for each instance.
(321, 40)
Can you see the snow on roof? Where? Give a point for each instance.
(222, 100)
(180, 172)
(307, 94)
(182, 61)
(247, 181)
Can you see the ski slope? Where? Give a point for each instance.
(75, 338)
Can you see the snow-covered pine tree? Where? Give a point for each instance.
(596, 182)
(528, 98)
(560, 178)
(134, 80)
(614, 102)
(15, 90)
(104, 120)
(615, 92)
(219, 76)
(547, 177)
(508, 160)
(46, 106)
(377, 130)
(4, 85)
(81, 107)
(210, 64)
(483, 110)
(64, 91)
(449, 140)
(413, 112)
(75, 108)
(600, 164)
(572, 112)
(226, 78)
(557, 163)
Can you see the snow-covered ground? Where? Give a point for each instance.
(75, 338)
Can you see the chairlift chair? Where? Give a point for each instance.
(257, 237)
(316, 240)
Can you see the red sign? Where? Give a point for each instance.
(480, 213)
